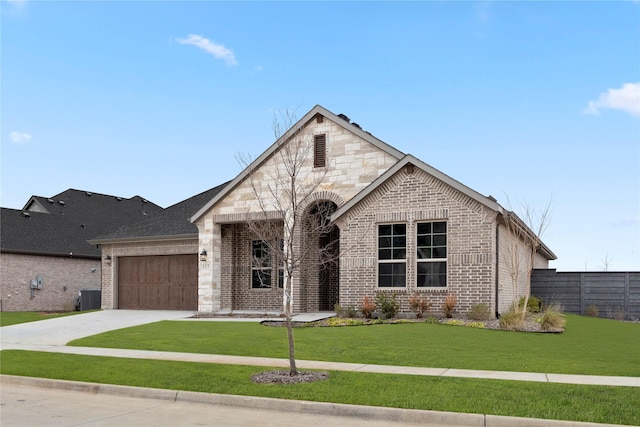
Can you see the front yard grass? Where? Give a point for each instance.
(8, 318)
(588, 346)
(521, 399)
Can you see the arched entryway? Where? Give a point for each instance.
(321, 272)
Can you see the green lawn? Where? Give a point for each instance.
(14, 317)
(617, 405)
(588, 346)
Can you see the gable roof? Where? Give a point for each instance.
(489, 202)
(406, 160)
(62, 224)
(341, 120)
(172, 223)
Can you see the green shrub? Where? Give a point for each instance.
(534, 304)
(389, 306)
(480, 312)
(431, 320)
(552, 318)
(419, 304)
(346, 312)
(592, 311)
(476, 325)
(512, 319)
(368, 307)
(454, 322)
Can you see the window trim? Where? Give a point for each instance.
(444, 260)
(391, 260)
(268, 270)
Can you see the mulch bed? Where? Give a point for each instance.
(283, 377)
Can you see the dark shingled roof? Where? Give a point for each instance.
(61, 225)
(172, 222)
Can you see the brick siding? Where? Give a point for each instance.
(63, 278)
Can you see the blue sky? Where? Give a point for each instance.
(526, 101)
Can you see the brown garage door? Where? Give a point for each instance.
(158, 282)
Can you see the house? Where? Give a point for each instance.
(45, 259)
(401, 226)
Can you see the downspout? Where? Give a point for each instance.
(497, 266)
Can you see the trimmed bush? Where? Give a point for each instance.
(480, 312)
(419, 304)
(387, 305)
(534, 304)
(347, 312)
(592, 311)
(367, 308)
(449, 305)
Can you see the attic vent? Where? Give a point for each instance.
(493, 199)
(83, 226)
(26, 214)
(144, 201)
(319, 151)
(344, 117)
(50, 201)
(356, 125)
(62, 202)
(119, 199)
(88, 193)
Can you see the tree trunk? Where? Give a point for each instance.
(292, 357)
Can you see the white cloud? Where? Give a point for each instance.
(20, 137)
(627, 99)
(215, 49)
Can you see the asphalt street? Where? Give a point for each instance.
(34, 406)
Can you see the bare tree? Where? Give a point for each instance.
(288, 223)
(524, 244)
(606, 263)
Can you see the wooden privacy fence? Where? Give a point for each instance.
(615, 294)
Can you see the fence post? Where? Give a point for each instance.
(627, 315)
(582, 307)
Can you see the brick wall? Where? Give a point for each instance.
(110, 267)
(410, 198)
(63, 278)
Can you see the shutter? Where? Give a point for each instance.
(319, 151)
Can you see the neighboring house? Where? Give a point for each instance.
(45, 259)
(403, 227)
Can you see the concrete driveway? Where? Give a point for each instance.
(60, 330)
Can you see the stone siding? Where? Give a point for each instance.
(63, 278)
(352, 164)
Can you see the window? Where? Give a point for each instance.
(431, 256)
(392, 255)
(260, 265)
(319, 151)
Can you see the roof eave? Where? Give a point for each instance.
(409, 159)
(164, 238)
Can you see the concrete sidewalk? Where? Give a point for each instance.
(340, 366)
(52, 334)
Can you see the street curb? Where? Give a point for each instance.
(409, 416)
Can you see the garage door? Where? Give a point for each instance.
(158, 282)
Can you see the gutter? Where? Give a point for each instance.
(52, 254)
(143, 239)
